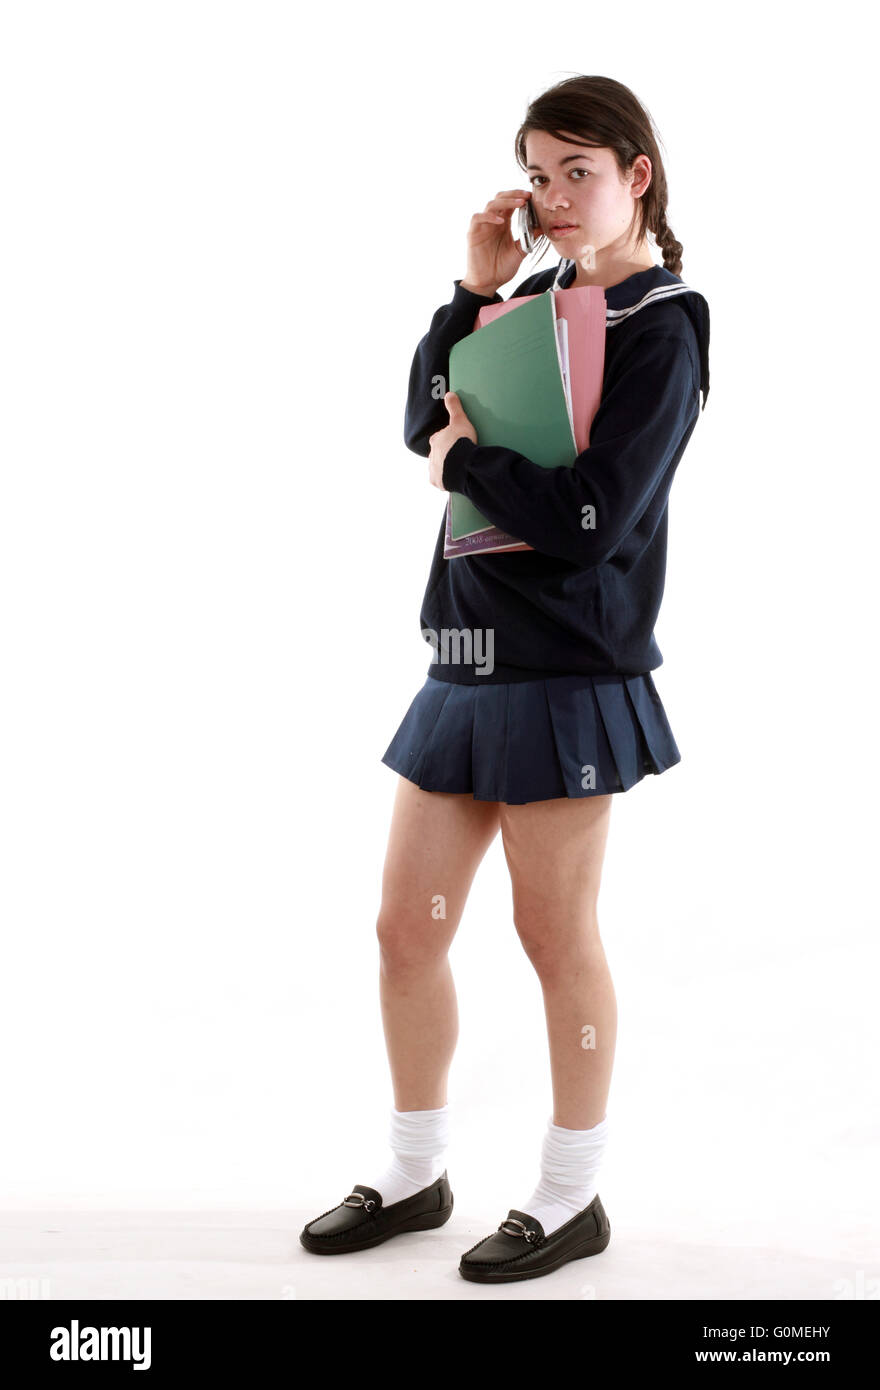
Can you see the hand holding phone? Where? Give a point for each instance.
(494, 253)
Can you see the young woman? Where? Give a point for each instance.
(536, 740)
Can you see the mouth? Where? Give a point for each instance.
(562, 228)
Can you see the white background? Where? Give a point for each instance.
(226, 228)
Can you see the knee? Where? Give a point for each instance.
(559, 948)
(406, 944)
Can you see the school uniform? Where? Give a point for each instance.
(540, 683)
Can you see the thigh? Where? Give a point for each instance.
(435, 845)
(555, 850)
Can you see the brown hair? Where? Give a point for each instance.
(603, 113)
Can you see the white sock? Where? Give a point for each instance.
(418, 1139)
(570, 1161)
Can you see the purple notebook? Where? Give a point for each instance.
(480, 543)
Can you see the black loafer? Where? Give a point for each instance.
(361, 1220)
(519, 1248)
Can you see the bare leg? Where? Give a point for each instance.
(435, 845)
(555, 850)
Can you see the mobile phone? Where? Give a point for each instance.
(528, 228)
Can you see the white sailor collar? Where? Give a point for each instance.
(646, 287)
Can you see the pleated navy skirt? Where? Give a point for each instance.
(534, 740)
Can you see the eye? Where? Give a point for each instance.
(573, 171)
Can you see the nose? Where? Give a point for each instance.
(555, 200)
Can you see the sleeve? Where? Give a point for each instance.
(429, 374)
(582, 513)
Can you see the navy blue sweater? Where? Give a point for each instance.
(586, 598)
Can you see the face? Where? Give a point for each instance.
(582, 186)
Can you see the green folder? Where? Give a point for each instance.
(508, 377)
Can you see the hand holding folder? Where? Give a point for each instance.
(530, 380)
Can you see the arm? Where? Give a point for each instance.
(648, 410)
(429, 374)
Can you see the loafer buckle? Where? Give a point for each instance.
(357, 1199)
(530, 1235)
